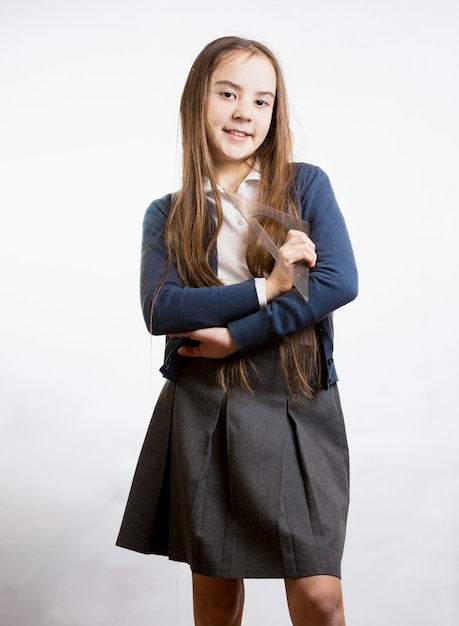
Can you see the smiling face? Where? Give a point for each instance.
(239, 110)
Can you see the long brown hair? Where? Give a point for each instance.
(189, 212)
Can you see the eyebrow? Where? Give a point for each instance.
(228, 83)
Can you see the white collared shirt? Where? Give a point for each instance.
(232, 240)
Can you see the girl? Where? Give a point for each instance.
(244, 469)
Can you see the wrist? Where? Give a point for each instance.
(272, 289)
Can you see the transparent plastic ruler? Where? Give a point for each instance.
(250, 209)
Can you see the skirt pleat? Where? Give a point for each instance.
(241, 484)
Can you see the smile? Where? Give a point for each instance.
(237, 133)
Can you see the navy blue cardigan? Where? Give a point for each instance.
(332, 283)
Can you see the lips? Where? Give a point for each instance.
(236, 133)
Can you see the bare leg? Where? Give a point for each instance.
(217, 601)
(315, 601)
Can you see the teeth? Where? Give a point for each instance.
(237, 133)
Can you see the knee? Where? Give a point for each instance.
(315, 600)
(220, 606)
(323, 600)
(224, 609)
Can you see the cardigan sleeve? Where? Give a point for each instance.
(178, 308)
(333, 281)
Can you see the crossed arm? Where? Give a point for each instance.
(225, 319)
(217, 342)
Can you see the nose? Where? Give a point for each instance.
(242, 112)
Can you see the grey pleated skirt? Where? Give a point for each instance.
(242, 485)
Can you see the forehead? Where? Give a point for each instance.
(247, 70)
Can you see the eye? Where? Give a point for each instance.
(228, 94)
(262, 103)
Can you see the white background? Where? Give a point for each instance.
(89, 107)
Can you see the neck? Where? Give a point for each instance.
(231, 177)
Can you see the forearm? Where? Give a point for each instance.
(182, 309)
(169, 307)
(290, 313)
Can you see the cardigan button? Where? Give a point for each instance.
(330, 361)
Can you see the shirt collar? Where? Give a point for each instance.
(254, 174)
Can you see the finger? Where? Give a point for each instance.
(295, 233)
(298, 235)
(293, 254)
(190, 351)
(297, 239)
(308, 257)
(192, 334)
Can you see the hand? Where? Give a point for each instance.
(215, 343)
(297, 247)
